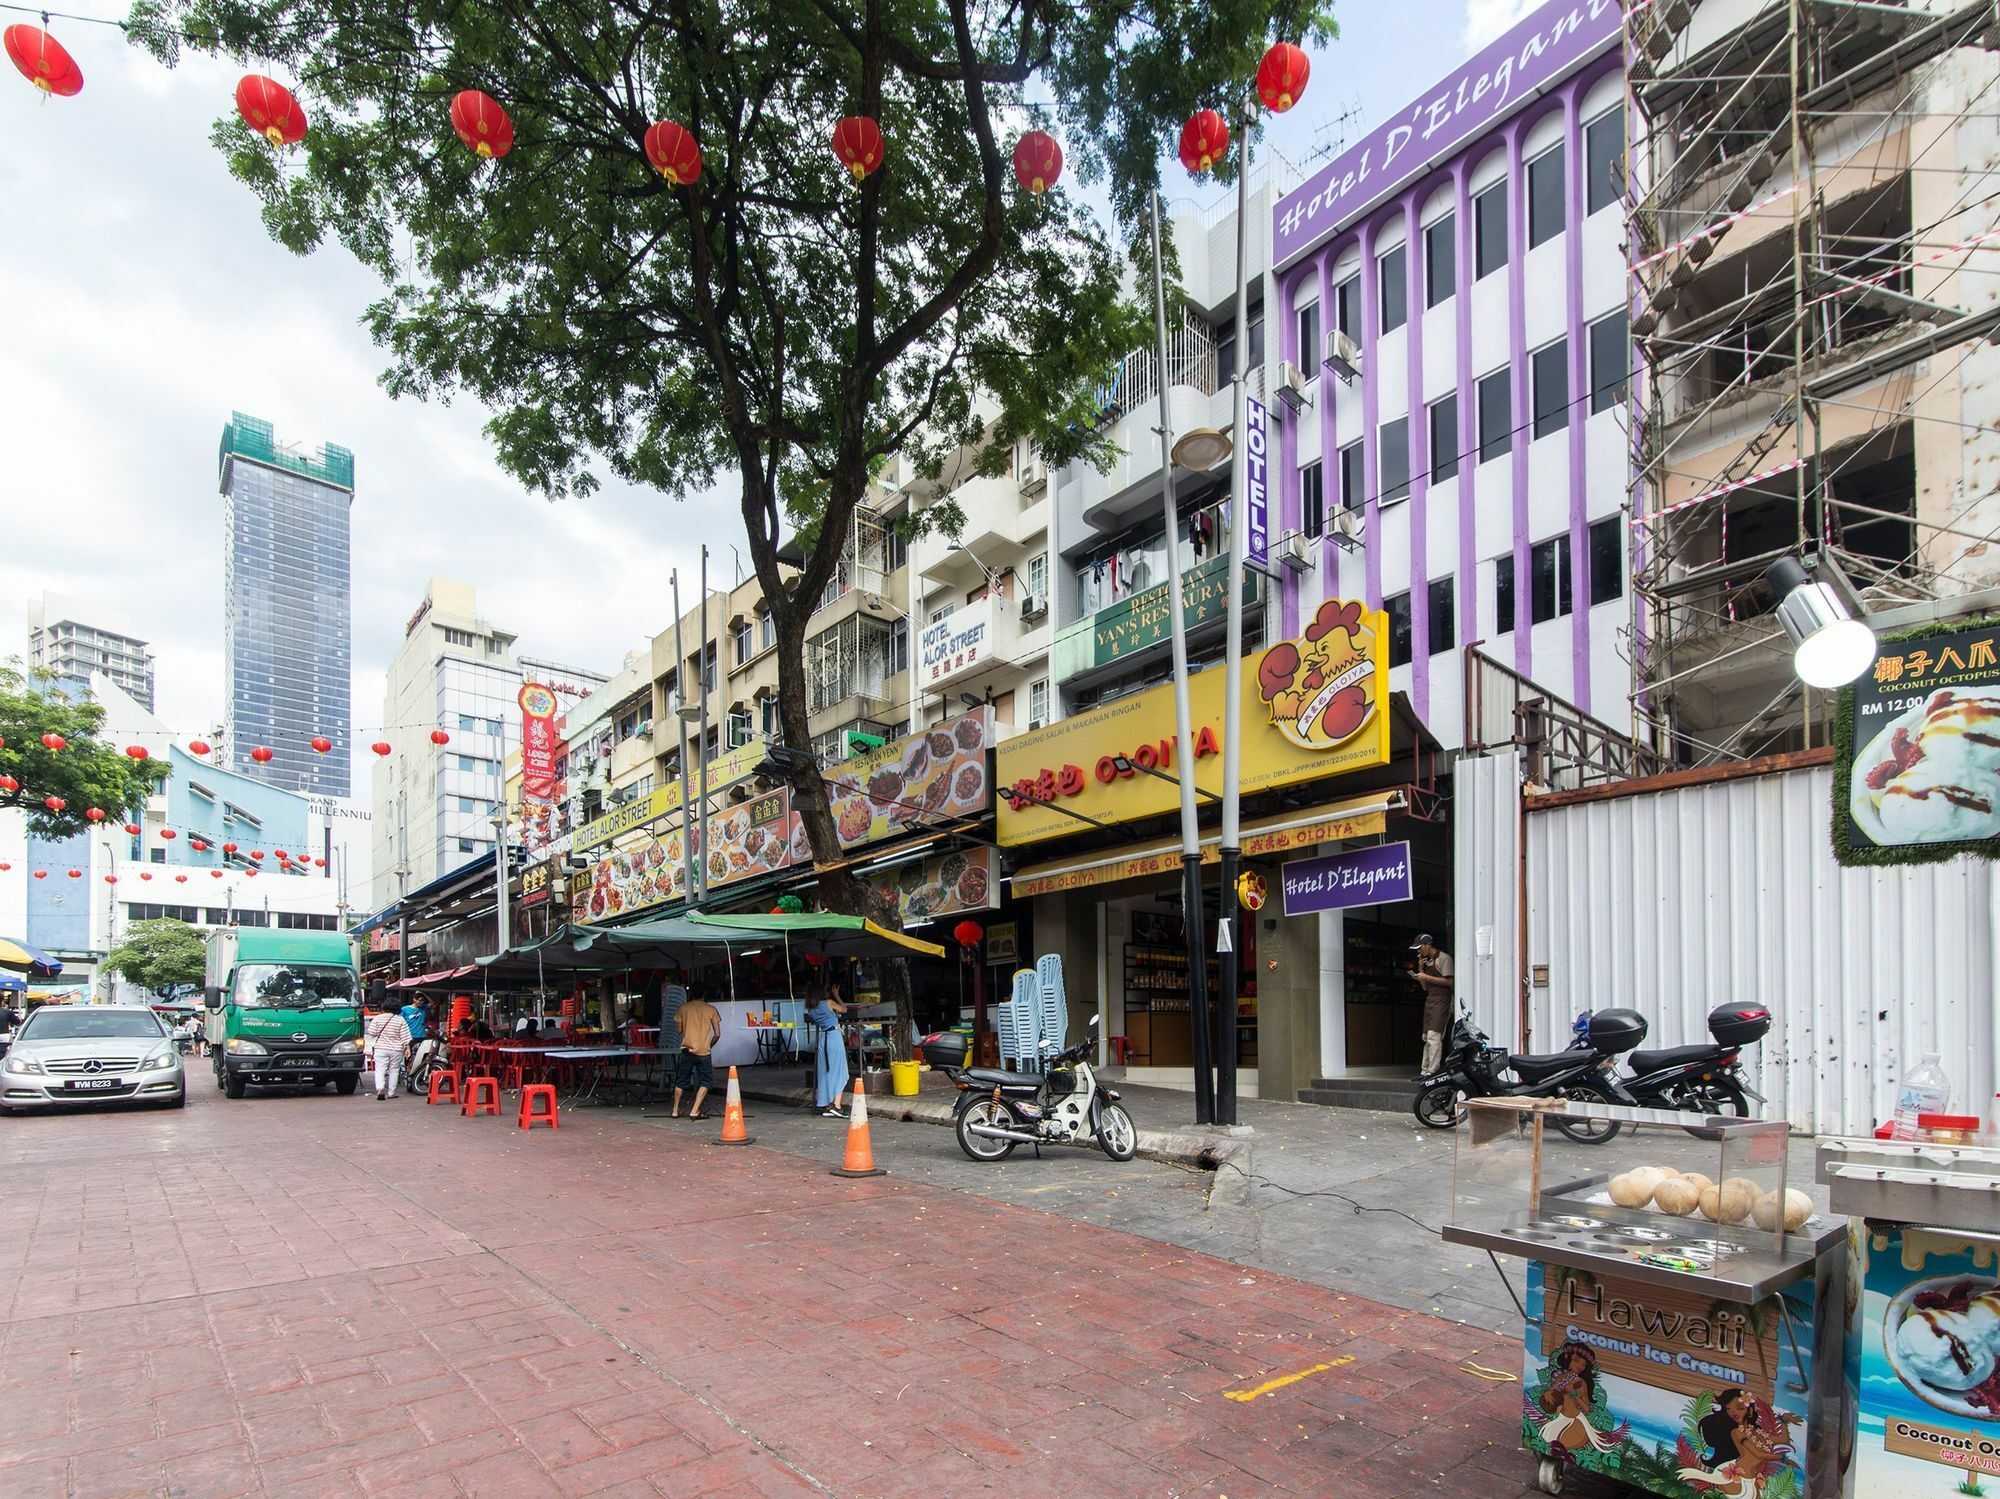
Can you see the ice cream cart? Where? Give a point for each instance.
(1673, 1336)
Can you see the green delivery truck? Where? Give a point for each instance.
(283, 1008)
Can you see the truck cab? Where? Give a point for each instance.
(283, 1008)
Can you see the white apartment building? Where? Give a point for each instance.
(76, 640)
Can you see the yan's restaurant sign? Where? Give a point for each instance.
(1312, 707)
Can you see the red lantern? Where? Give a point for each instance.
(180, 879)
(132, 828)
(5, 866)
(1204, 141)
(44, 61)
(251, 873)
(1281, 76)
(9, 785)
(319, 863)
(256, 853)
(1038, 161)
(76, 874)
(135, 751)
(111, 879)
(197, 845)
(53, 741)
(321, 744)
(381, 746)
(482, 124)
(144, 876)
(169, 834)
(271, 110)
(440, 737)
(215, 874)
(95, 814)
(674, 152)
(198, 746)
(261, 754)
(41, 874)
(857, 141)
(54, 803)
(968, 933)
(229, 848)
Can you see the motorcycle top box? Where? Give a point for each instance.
(1739, 1024)
(945, 1049)
(1616, 1031)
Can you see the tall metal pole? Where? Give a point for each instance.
(500, 879)
(1232, 661)
(1197, 944)
(680, 691)
(703, 866)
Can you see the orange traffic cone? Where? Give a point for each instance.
(733, 1132)
(860, 1157)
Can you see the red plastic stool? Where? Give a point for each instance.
(444, 1084)
(539, 1093)
(482, 1096)
(510, 1077)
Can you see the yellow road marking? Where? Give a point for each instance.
(1284, 1379)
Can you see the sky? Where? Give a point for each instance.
(146, 302)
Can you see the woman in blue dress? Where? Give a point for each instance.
(830, 1054)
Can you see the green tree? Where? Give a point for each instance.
(159, 956)
(775, 324)
(86, 772)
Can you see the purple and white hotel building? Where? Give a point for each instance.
(1452, 289)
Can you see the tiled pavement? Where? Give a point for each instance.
(329, 1296)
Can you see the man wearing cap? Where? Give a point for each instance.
(1434, 974)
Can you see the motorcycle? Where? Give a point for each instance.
(424, 1060)
(1066, 1105)
(1703, 1079)
(1587, 1072)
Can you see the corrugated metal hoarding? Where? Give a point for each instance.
(1671, 902)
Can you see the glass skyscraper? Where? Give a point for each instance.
(287, 631)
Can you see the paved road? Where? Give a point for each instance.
(336, 1296)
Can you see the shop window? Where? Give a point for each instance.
(1545, 196)
(1604, 159)
(1443, 419)
(1503, 595)
(1549, 372)
(1312, 500)
(1398, 610)
(1607, 559)
(1548, 579)
(1352, 470)
(1440, 260)
(1393, 461)
(1496, 415)
(1442, 618)
(1392, 278)
(1489, 230)
(1347, 307)
(1309, 339)
(1610, 362)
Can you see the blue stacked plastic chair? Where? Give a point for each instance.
(1055, 1002)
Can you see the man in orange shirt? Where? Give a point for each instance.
(699, 1025)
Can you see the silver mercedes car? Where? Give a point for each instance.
(91, 1054)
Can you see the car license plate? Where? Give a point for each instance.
(298, 1061)
(92, 1084)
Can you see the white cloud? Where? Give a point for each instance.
(1487, 19)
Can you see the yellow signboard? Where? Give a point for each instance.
(1260, 840)
(731, 767)
(1311, 707)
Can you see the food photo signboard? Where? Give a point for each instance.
(928, 777)
(944, 885)
(1916, 774)
(760, 836)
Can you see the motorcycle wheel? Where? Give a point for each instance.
(993, 1115)
(1439, 1106)
(1722, 1097)
(1117, 1135)
(1587, 1131)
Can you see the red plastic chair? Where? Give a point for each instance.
(533, 1094)
(482, 1096)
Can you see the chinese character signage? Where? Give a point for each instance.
(1377, 876)
(1917, 750)
(1146, 618)
(535, 884)
(961, 642)
(938, 774)
(1257, 488)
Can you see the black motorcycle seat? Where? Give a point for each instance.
(1673, 1056)
(993, 1077)
(1534, 1069)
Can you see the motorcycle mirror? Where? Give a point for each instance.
(1093, 1021)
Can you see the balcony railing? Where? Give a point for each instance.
(1190, 361)
(1565, 748)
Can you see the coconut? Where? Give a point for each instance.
(1701, 1183)
(1709, 1200)
(1768, 1211)
(1739, 1197)
(1629, 1192)
(1798, 1208)
(1646, 1179)
(1676, 1196)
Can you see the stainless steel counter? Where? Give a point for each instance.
(1953, 1187)
(1748, 1270)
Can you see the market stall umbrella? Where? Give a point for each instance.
(22, 958)
(837, 936)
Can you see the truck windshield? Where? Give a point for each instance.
(279, 986)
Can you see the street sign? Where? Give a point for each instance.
(859, 743)
(1223, 941)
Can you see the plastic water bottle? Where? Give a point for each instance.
(1925, 1090)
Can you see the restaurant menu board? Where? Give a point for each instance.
(761, 836)
(758, 837)
(1917, 750)
(927, 777)
(944, 885)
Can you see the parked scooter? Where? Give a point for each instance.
(1475, 1068)
(997, 1111)
(1703, 1079)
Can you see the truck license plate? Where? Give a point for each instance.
(93, 1084)
(298, 1061)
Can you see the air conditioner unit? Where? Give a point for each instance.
(1034, 476)
(1344, 527)
(1293, 551)
(1292, 386)
(1343, 356)
(1034, 605)
(1036, 723)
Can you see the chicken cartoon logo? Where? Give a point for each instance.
(1322, 688)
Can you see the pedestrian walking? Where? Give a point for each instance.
(1434, 974)
(698, 1024)
(830, 1074)
(389, 1035)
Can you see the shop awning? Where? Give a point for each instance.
(1357, 817)
(842, 936)
(20, 957)
(438, 976)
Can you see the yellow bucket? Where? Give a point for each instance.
(903, 1079)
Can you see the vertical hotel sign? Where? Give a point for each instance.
(1257, 486)
(538, 742)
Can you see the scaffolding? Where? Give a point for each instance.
(1813, 247)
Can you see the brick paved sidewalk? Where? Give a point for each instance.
(333, 1296)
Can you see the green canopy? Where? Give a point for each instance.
(843, 936)
(639, 944)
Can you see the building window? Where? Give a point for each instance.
(1496, 415)
(1545, 196)
(770, 705)
(1038, 575)
(465, 845)
(708, 668)
(899, 646)
(467, 723)
(457, 637)
(1440, 260)
(156, 856)
(1443, 614)
(1444, 438)
(942, 613)
(1309, 339)
(1607, 559)
(1312, 500)
(1489, 230)
(1398, 610)
(1394, 285)
(741, 730)
(1548, 579)
(1610, 362)
(745, 639)
(1347, 307)
(1549, 367)
(1038, 702)
(767, 630)
(1503, 595)
(1351, 471)
(1225, 347)
(1604, 160)
(1393, 459)
(628, 725)
(898, 549)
